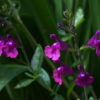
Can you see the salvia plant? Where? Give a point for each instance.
(46, 59)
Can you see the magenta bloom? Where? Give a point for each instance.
(67, 70)
(61, 71)
(8, 46)
(57, 75)
(95, 42)
(83, 79)
(53, 51)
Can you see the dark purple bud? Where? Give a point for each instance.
(53, 36)
(60, 25)
(72, 27)
(4, 25)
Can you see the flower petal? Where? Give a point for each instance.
(12, 53)
(48, 51)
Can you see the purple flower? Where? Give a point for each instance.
(4, 25)
(68, 70)
(57, 75)
(83, 79)
(8, 46)
(53, 51)
(72, 27)
(61, 71)
(95, 42)
(60, 25)
(63, 45)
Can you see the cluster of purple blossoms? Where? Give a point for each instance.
(53, 52)
(95, 42)
(61, 71)
(8, 46)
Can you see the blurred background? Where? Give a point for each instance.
(34, 20)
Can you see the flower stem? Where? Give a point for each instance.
(85, 94)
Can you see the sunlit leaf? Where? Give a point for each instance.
(86, 48)
(91, 98)
(79, 17)
(37, 59)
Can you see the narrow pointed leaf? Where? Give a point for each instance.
(24, 83)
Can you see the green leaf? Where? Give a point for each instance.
(77, 62)
(61, 32)
(86, 48)
(79, 17)
(9, 72)
(37, 59)
(44, 79)
(67, 37)
(58, 97)
(91, 98)
(58, 9)
(24, 83)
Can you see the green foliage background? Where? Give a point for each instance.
(32, 21)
